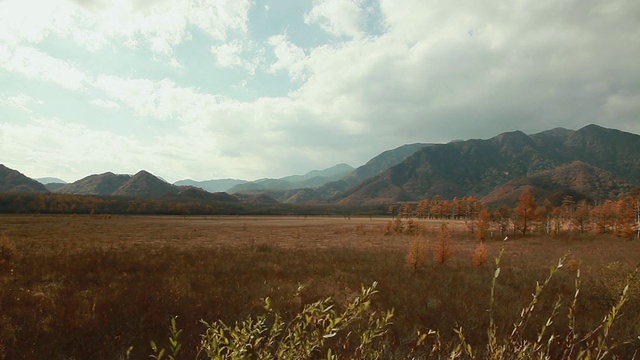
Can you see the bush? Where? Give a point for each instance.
(320, 331)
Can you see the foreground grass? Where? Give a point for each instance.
(87, 287)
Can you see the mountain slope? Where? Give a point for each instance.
(145, 185)
(313, 178)
(50, 180)
(98, 184)
(577, 178)
(15, 181)
(477, 167)
(217, 185)
(373, 167)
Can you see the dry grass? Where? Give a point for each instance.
(91, 286)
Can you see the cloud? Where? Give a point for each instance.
(107, 104)
(337, 17)
(230, 55)
(35, 64)
(155, 25)
(21, 102)
(161, 99)
(289, 57)
(49, 146)
(410, 71)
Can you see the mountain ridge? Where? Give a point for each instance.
(476, 167)
(593, 163)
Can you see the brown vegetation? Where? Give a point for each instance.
(92, 286)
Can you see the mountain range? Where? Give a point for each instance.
(592, 163)
(478, 167)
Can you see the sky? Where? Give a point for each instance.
(248, 89)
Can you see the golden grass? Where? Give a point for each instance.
(91, 286)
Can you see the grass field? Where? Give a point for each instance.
(92, 286)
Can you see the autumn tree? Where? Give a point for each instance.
(482, 225)
(581, 217)
(422, 209)
(443, 249)
(480, 256)
(545, 214)
(503, 216)
(406, 210)
(418, 253)
(604, 217)
(626, 217)
(525, 210)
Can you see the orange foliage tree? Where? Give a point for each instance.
(526, 210)
(443, 249)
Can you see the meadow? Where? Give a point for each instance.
(99, 286)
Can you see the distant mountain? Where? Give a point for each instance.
(54, 186)
(334, 172)
(373, 167)
(15, 181)
(578, 179)
(311, 179)
(477, 167)
(146, 185)
(197, 194)
(50, 180)
(211, 185)
(98, 184)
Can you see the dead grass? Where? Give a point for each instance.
(91, 286)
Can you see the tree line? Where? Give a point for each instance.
(30, 203)
(620, 217)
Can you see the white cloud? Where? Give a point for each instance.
(337, 17)
(289, 57)
(156, 25)
(230, 55)
(21, 102)
(107, 104)
(437, 71)
(49, 146)
(35, 64)
(162, 99)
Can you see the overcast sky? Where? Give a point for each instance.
(207, 89)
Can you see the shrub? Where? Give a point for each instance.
(318, 331)
(480, 256)
(443, 250)
(418, 253)
(7, 250)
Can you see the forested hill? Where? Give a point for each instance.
(479, 167)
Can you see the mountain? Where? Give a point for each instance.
(476, 167)
(15, 181)
(578, 179)
(146, 185)
(54, 186)
(197, 194)
(373, 167)
(336, 172)
(311, 179)
(50, 180)
(98, 184)
(211, 185)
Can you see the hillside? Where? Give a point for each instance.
(50, 180)
(373, 167)
(145, 185)
(578, 179)
(477, 167)
(98, 184)
(311, 179)
(15, 181)
(218, 185)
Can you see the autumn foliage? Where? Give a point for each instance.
(443, 249)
